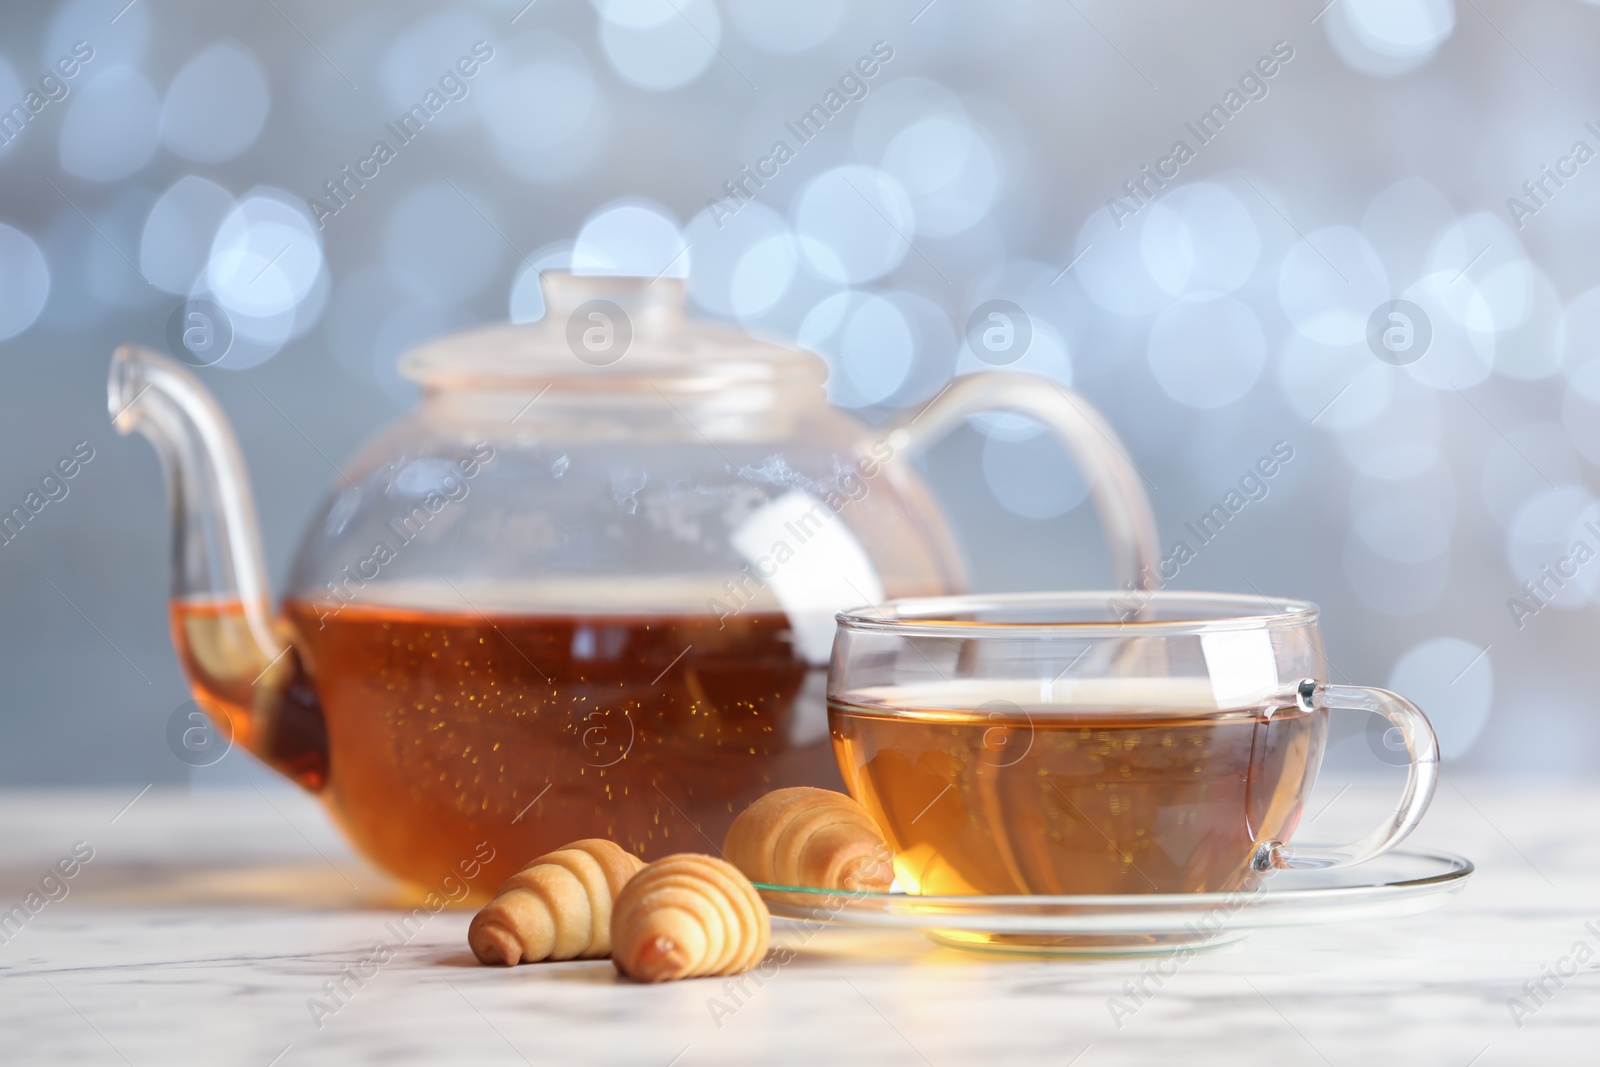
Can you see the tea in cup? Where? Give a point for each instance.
(1064, 744)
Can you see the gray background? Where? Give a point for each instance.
(1385, 150)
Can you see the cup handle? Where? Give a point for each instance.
(1421, 778)
(1114, 482)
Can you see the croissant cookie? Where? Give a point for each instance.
(810, 837)
(558, 907)
(688, 916)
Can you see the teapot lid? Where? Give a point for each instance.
(606, 327)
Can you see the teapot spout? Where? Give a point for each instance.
(243, 671)
(216, 546)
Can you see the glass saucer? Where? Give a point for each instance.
(1402, 882)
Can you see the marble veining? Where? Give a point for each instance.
(207, 926)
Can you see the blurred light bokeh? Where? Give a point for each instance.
(989, 154)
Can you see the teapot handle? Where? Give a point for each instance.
(1120, 500)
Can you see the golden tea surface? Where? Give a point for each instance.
(429, 732)
(1080, 800)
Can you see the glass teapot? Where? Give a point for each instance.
(587, 589)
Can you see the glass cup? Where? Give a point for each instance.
(1098, 743)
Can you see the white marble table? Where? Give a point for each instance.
(206, 922)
